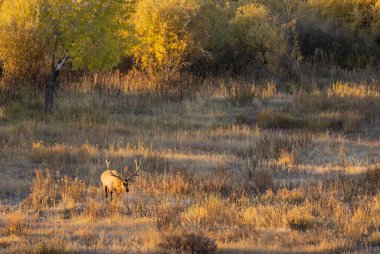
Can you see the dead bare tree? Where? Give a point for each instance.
(51, 85)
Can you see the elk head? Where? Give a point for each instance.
(114, 183)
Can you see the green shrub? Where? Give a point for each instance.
(256, 40)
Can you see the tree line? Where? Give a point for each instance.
(201, 36)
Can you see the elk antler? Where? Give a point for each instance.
(112, 174)
(136, 171)
(121, 178)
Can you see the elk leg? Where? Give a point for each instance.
(111, 195)
(105, 191)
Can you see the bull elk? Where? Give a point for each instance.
(114, 183)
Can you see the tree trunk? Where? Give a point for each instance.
(54, 51)
(51, 84)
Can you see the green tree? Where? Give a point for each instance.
(211, 33)
(256, 39)
(90, 31)
(21, 45)
(342, 32)
(355, 14)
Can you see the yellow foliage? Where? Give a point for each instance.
(271, 216)
(291, 196)
(287, 158)
(162, 32)
(21, 46)
(175, 184)
(300, 218)
(356, 14)
(211, 212)
(358, 223)
(17, 223)
(375, 211)
(343, 89)
(196, 214)
(249, 217)
(255, 34)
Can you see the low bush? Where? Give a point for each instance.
(300, 218)
(191, 243)
(168, 217)
(267, 118)
(17, 223)
(48, 190)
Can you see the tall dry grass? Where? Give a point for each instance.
(293, 175)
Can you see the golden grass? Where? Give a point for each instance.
(362, 90)
(308, 185)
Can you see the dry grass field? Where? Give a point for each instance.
(257, 169)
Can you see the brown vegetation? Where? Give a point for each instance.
(262, 183)
(257, 124)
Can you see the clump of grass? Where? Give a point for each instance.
(271, 216)
(223, 181)
(344, 89)
(295, 196)
(81, 116)
(372, 178)
(53, 246)
(374, 238)
(343, 98)
(300, 218)
(268, 118)
(352, 121)
(56, 153)
(269, 145)
(17, 223)
(287, 158)
(72, 190)
(359, 223)
(263, 180)
(268, 91)
(44, 192)
(47, 191)
(96, 210)
(183, 242)
(87, 152)
(2, 113)
(210, 212)
(169, 216)
(242, 119)
(154, 162)
(61, 153)
(349, 121)
(241, 94)
(249, 217)
(175, 184)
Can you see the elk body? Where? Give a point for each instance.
(112, 182)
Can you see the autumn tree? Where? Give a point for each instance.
(22, 48)
(89, 31)
(162, 32)
(343, 31)
(257, 41)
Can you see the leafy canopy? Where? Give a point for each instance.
(162, 32)
(89, 30)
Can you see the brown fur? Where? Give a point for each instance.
(113, 183)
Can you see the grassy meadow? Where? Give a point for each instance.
(247, 168)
